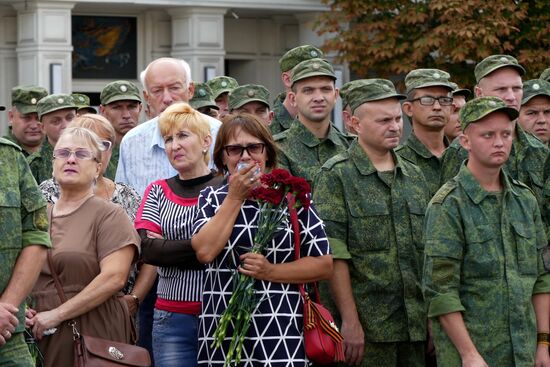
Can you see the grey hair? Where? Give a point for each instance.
(185, 66)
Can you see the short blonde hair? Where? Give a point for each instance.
(92, 140)
(182, 116)
(97, 123)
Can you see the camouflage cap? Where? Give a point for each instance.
(54, 102)
(222, 84)
(120, 90)
(248, 93)
(82, 102)
(310, 68)
(478, 108)
(293, 57)
(347, 88)
(25, 98)
(495, 62)
(423, 78)
(203, 97)
(533, 88)
(460, 91)
(545, 75)
(372, 90)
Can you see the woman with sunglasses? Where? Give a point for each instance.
(94, 245)
(224, 233)
(139, 282)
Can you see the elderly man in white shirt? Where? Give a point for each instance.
(142, 158)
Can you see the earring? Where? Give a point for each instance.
(204, 151)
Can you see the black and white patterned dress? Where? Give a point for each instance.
(275, 337)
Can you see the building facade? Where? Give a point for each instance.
(41, 42)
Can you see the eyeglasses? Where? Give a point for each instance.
(64, 153)
(429, 100)
(107, 144)
(238, 150)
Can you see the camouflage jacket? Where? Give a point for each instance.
(281, 119)
(484, 258)
(113, 163)
(9, 136)
(23, 219)
(416, 152)
(303, 154)
(375, 223)
(40, 162)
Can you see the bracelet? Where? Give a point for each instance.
(136, 298)
(543, 338)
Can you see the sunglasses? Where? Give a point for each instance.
(238, 150)
(107, 144)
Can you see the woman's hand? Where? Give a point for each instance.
(151, 234)
(45, 320)
(29, 314)
(242, 181)
(255, 266)
(132, 304)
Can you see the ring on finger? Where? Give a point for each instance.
(252, 179)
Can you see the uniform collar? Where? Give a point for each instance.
(473, 188)
(415, 144)
(364, 164)
(310, 140)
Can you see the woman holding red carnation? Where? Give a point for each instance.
(224, 229)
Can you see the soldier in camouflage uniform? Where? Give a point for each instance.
(545, 75)
(23, 242)
(500, 76)
(284, 112)
(55, 112)
(253, 99)
(428, 105)
(346, 109)
(121, 105)
(534, 114)
(452, 129)
(82, 103)
(203, 100)
(25, 129)
(221, 86)
(312, 139)
(486, 276)
(372, 203)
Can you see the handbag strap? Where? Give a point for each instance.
(296, 229)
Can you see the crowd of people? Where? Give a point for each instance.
(430, 250)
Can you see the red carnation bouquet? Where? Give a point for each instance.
(272, 197)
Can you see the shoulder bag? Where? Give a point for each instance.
(323, 342)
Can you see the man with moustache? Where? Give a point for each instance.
(25, 129)
(486, 266)
(372, 202)
(428, 105)
(452, 129)
(534, 115)
(312, 139)
(500, 76)
(121, 105)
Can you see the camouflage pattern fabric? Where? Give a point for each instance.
(527, 162)
(303, 154)
(495, 62)
(484, 259)
(113, 163)
(416, 152)
(23, 219)
(40, 162)
(478, 108)
(9, 136)
(15, 353)
(374, 221)
(281, 119)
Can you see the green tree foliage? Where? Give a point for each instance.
(385, 38)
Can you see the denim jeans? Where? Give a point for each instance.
(145, 320)
(175, 339)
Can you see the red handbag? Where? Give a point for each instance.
(323, 342)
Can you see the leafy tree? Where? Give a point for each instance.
(386, 38)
